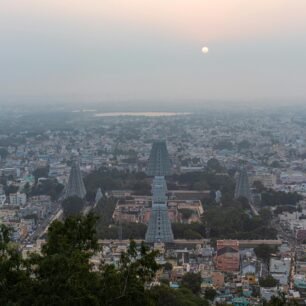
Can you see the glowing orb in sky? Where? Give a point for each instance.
(205, 50)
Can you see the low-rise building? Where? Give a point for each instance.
(228, 257)
(18, 198)
(280, 269)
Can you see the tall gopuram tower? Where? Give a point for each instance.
(159, 162)
(242, 185)
(159, 227)
(75, 185)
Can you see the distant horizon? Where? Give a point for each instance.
(122, 104)
(153, 106)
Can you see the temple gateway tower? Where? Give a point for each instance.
(159, 165)
(242, 185)
(75, 185)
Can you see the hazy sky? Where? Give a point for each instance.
(92, 50)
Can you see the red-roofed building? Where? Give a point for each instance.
(227, 258)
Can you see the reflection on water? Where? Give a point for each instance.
(142, 114)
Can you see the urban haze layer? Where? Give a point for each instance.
(200, 207)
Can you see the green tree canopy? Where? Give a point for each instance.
(268, 282)
(62, 274)
(3, 153)
(244, 144)
(186, 213)
(41, 172)
(264, 252)
(232, 222)
(188, 231)
(168, 266)
(15, 281)
(214, 165)
(11, 189)
(163, 295)
(192, 281)
(49, 187)
(210, 294)
(271, 197)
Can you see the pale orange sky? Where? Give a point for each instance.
(140, 48)
(194, 19)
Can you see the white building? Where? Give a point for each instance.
(2, 199)
(267, 179)
(280, 269)
(267, 293)
(292, 177)
(18, 198)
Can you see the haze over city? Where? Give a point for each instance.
(152, 152)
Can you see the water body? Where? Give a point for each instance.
(84, 111)
(140, 114)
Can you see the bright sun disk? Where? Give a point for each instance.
(205, 50)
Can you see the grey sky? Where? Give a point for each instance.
(88, 57)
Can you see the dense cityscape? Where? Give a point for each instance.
(218, 197)
(153, 153)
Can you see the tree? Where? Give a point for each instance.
(280, 300)
(104, 211)
(62, 273)
(268, 282)
(259, 186)
(244, 202)
(26, 188)
(271, 197)
(49, 187)
(3, 153)
(275, 164)
(133, 230)
(266, 215)
(14, 276)
(41, 172)
(125, 285)
(207, 180)
(210, 294)
(142, 188)
(213, 164)
(163, 295)
(264, 252)
(186, 213)
(244, 144)
(108, 179)
(168, 266)
(188, 231)
(192, 281)
(232, 222)
(191, 234)
(76, 233)
(11, 189)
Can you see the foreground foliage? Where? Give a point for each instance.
(62, 274)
